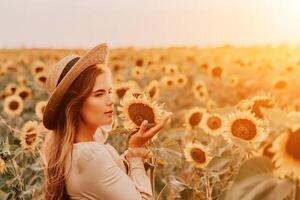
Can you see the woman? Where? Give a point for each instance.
(77, 165)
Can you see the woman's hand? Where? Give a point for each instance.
(142, 136)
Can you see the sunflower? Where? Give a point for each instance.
(120, 89)
(200, 90)
(169, 69)
(137, 72)
(197, 154)
(194, 117)
(135, 110)
(210, 104)
(255, 104)
(30, 135)
(40, 78)
(217, 72)
(24, 92)
(152, 89)
(181, 80)
(116, 66)
(243, 126)
(39, 109)
(280, 83)
(11, 88)
(135, 92)
(287, 154)
(212, 123)
(168, 82)
(118, 78)
(2, 72)
(3, 95)
(13, 105)
(233, 80)
(2, 166)
(22, 80)
(139, 62)
(37, 67)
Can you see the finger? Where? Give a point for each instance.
(151, 132)
(143, 127)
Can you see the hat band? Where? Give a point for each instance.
(67, 68)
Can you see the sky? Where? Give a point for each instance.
(148, 23)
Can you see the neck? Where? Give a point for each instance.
(85, 133)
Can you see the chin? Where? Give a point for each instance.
(108, 122)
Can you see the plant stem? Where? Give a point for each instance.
(297, 188)
(13, 162)
(207, 186)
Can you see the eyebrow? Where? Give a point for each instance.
(101, 90)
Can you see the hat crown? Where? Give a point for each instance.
(56, 71)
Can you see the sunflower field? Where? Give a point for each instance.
(234, 132)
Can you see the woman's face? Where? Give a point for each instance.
(100, 101)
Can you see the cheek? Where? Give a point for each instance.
(93, 110)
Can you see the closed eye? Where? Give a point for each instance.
(98, 95)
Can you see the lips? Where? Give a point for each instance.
(108, 112)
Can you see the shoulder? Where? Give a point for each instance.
(87, 151)
(92, 156)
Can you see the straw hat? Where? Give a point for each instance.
(63, 73)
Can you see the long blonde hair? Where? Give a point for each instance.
(59, 143)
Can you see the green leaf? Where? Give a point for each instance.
(170, 151)
(255, 180)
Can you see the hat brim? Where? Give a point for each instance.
(97, 55)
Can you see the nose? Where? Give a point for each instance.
(110, 101)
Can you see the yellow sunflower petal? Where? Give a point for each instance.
(13, 105)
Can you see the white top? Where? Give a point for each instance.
(97, 171)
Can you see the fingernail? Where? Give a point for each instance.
(145, 121)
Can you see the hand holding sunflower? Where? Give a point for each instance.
(142, 136)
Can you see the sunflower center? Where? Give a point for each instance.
(244, 129)
(23, 94)
(195, 119)
(214, 122)
(198, 155)
(43, 79)
(199, 87)
(139, 112)
(136, 94)
(217, 71)
(121, 92)
(258, 104)
(139, 62)
(280, 85)
(169, 83)
(30, 138)
(13, 89)
(292, 145)
(14, 105)
(39, 69)
(201, 94)
(152, 92)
